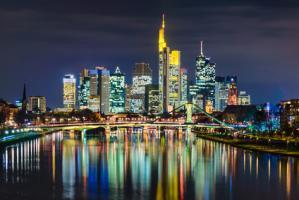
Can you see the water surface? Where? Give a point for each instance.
(64, 166)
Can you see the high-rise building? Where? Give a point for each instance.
(37, 104)
(117, 92)
(169, 71)
(141, 76)
(195, 96)
(205, 80)
(128, 105)
(69, 91)
(244, 98)
(289, 116)
(184, 85)
(174, 79)
(221, 94)
(104, 88)
(94, 103)
(222, 86)
(84, 89)
(152, 104)
(94, 87)
(94, 82)
(221, 91)
(233, 94)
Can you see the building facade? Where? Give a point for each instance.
(289, 116)
(221, 91)
(152, 97)
(141, 77)
(169, 74)
(84, 89)
(232, 94)
(103, 88)
(117, 98)
(184, 85)
(128, 105)
(244, 98)
(37, 104)
(69, 91)
(205, 80)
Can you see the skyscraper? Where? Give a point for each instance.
(128, 105)
(169, 71)
(205, 79)
(221, 91)
(174, 79)
(84, 89)
(141, 76)
(117, 92)
(184, 85)
(103, 88)
(152, 104)
(69, 91)
(233, 94)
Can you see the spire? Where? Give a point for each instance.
(24, 99)
(162, 43)
(24, 93)
(201, 48)
(163, 20)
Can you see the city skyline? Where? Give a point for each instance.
(252, 61)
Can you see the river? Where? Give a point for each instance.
(67, 166)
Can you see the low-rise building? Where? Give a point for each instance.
(37, 104)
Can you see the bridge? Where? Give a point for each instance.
(184, 122)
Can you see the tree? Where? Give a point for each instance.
(3, 116)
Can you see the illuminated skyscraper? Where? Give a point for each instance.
(128, 105)
(233, 94)
(174, 79)
(69, 91)
(94, 103)
(152, 99)
(84, 89)
(117, 98)
(103, 88)
(169, 72)
(142, 76)
(195, 96)
(37, 104)
(184, 85)
(205, 80)
(221, 91)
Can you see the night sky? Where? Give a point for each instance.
(41, 40)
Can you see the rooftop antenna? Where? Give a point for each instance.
(201, 48)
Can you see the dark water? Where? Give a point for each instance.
(59, 166)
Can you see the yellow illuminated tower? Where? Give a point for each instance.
(169, 73)
(162, 42)
(163, 69)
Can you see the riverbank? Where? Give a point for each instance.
(13, 138)
(282, 146)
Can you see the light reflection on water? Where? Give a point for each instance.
(138, 167)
